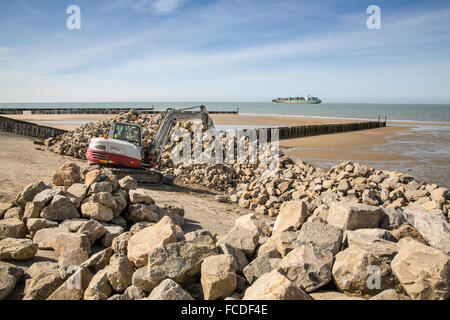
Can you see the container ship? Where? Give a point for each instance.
(298, 100)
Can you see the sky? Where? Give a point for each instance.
(224, 50)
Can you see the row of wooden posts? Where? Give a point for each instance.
(29, 129)
(38, 131)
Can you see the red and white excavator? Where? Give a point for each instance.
(121, 150)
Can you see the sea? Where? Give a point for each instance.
(404, 112)
(428, 141)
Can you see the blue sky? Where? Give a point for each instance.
(224, 50)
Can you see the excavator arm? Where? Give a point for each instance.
(152, 153)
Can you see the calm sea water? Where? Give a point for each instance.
(411, 112)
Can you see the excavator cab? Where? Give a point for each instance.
(126, 132)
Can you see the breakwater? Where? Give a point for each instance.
(19, 111)
(29, 129)
(315, 130)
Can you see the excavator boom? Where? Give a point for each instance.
(169, 119)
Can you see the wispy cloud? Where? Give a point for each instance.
(233, 50)
(156, 6)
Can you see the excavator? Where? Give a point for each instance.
(122, 152)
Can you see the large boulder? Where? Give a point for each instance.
(104, 198)
(352, 216)
(120, 243)
(103, 186)
(5, 206)
(93, 229)
(364, 272)
(143, 212)
(376, 240)
(180, 261)
(286, 241)
(218, 276)
(97, 211)
(98, 261)
(36, 224)
(291, 216)
(274, 286)
(66, 241)
(28, 193)
(92, 177)
(17, 249)
(252, 222)
(41, 266)
(143, 280)
(73, 288)
(70, 259)
(99, 288)
(31, 211)
(393, 218)
(243, 239)
(121, 202)
(13, 270)
(67, 175)
(73, 225)
(61, 208)
(46, 238)
(141, 244)
(112, 232)
(140, 196)
(14, 213)
(433, 227)
(44, 197)
(169, 290)
(308, 267)
(262, 264)
(12, 228)
(407, 231)
(128, 183)
(76, 193)
(7, 285)
(238, 255)
(42, 285)
(423, 271)
(322, 235)
(120, 272)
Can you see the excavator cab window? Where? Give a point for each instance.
(128, 132)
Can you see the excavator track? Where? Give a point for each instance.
(142, 176)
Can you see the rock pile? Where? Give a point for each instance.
(340, 248)
(294, 180)
(75, 143)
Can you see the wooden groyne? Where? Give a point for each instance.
(29, 129)
(73, 111)
(315, 130)
(38, 131)
(20, 111)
